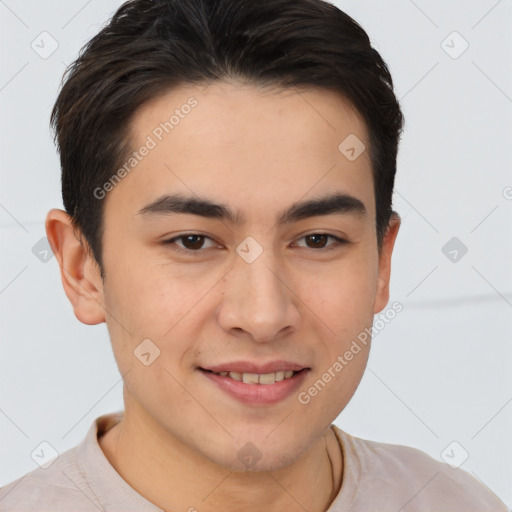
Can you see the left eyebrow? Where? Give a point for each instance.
(339, 203)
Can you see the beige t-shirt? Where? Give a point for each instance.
(377, 477)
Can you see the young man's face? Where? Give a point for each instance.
(257, 291)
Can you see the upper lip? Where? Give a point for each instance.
(250, 367)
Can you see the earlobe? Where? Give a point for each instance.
(79, 270)
(384, 272)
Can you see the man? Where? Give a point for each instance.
(227, 174)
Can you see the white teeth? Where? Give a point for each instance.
(255, 378)
(250, 378)
(267, 378)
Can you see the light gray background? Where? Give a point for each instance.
(438, 373)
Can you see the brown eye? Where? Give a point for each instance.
(193, 241)
(190, 242)
(319, 241)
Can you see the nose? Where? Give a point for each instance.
(259, 299)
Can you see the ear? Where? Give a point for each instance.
(384, 272)
(79, 271)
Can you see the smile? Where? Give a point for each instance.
(258, 378)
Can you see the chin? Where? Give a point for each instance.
(258, 455)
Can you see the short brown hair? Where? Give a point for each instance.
(151, 46)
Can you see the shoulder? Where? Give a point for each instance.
(59, 487)
(77, 479)
(413, 479)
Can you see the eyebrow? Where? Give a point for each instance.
(338, 203)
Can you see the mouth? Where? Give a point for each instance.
(257, 389)
(258, 378)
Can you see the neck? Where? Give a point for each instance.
(174, 476)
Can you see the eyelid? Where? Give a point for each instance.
(338, 241)
(171, 241)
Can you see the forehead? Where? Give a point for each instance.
(252, 147)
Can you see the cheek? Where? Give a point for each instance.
(146, 298)
(152, 303)
(342, 299)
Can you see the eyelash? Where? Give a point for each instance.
(339, 241)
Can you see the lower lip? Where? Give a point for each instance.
(258, 394)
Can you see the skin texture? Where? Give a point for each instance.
(258, 151)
